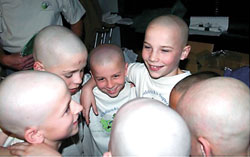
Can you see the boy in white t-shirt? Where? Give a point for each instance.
(108, 68)
(38, 110)
(165, 44)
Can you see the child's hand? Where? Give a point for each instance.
(26, 149)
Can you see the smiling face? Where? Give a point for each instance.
(71, 70)
(110, 79)
(108, 68)
(62, 122)
(164, 47)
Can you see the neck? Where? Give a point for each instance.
(53, 144)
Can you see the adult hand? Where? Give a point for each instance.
(26, 149)
(17, 62)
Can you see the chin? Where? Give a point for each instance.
(155, 75)
(74, 131)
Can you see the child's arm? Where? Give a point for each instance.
(4, 151)
(88, 99)
(24, 149)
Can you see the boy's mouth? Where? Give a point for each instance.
(154, 68)
(74, 90)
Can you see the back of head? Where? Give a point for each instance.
(174, 22)
(105, 54)
(218, 109)
(182, 86)
(54, 43)
(27, 97)
(147, 127)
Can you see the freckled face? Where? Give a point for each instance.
(162, 50)
(71, 70)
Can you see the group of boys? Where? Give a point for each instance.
(209, 117)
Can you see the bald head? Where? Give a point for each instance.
(57, 44)
(106, 54)
(27, 97)
(182, 86)
(147, 127)
(218, 110)
(175, 23)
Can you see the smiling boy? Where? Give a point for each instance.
(38, 110)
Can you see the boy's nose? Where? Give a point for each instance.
(110, 84)
(153, 56)
(78, 78)
(75, 107)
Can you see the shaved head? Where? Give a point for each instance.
(56, 45)
(147, 127)
(105, 54)
(182, 86)
(218, 110)
(27, 98)
(175, 23)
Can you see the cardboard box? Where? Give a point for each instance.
(219, 60)
(196, 48)
(202, 58)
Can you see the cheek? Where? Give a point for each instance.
(100, 84)
(68, 81)
(169, 59)
(145, 54)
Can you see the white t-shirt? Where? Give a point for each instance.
(146, 86)
(97, 135)
(21, 19)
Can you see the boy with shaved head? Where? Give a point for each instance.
(135, 133)
(60, 51)
(217, 111)
(38, 110)
(108, 68)
(182, 86)
(165, 45)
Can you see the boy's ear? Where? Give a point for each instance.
(126, 69)
(205, 146)
(91, 74)
(38, 66)
(185, 52)
(33, 135)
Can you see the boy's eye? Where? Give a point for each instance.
(100, 79)
(146, 46)
(116, 76)
(68, 75)
(67, 110)
(165, 50)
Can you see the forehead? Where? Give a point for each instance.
(160, 34)
(109, 68)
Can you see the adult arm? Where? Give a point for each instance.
(16, 61)
(77, 28)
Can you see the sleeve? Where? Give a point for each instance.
(72, 10)
(134, 71)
